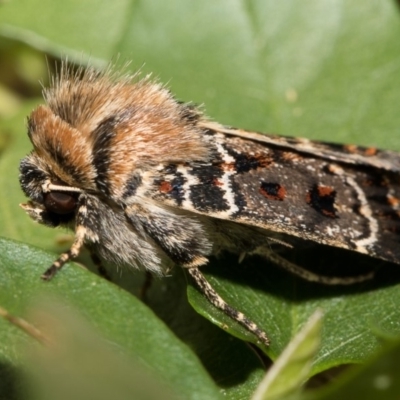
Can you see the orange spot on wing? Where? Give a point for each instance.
(370, 151)
(217, 182)
(165, 187)
(325, 191)
(350, 148)
(272, 191)
(393, 201)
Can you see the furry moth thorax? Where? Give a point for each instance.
(99, 143)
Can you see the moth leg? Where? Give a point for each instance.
(308, 275)
(214, 298)
(100, 267)
(73, 252)
(148, 280)
(85, 230)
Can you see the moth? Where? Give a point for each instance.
(145, 181)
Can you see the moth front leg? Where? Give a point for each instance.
(85, 231)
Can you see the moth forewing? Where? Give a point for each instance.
(146, 181)
(344, 153)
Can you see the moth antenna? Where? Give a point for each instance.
(308, 275)
(215, 299)
(67, 256)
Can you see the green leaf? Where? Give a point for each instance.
(77, 363)
(292, 368)
(378, 378)
(130, 325)
(126, 322)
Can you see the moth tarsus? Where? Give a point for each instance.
(215, 299)
(56, 266)
(147, 181)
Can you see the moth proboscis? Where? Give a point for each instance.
(145, 180)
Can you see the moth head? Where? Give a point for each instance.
(52, 201)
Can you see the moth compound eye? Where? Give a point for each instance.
(59, 203)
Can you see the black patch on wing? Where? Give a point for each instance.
(247, 162)
(272, 191)
(322, 199)
(208, 195)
